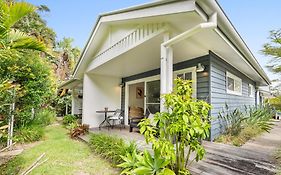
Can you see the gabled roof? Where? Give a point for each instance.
(208, 7)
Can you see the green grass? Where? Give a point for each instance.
(65, 156)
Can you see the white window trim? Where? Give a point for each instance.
(193, 72)
(235, 78)
(252, 92)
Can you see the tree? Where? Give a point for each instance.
(66, 58)
(12, 39)
(273, 49)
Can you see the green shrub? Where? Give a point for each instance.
(241, 127)
(231, 122)
(69, 119)
(145, 163)
(261, 117)
(29, 134)
(44, 117)
(178, 131)
(111, 148)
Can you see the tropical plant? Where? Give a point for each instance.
(185, 123)
(145, 164)
(13, 39)
(260, 117)
(231, 122)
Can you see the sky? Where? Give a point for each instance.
(253, 19)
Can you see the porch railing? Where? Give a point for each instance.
(138, 36)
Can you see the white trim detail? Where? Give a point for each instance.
(251, 93)
(236, 80)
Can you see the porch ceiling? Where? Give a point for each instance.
(146, 56)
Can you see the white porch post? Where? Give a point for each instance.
(166, 75)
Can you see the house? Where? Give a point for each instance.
(133, 55)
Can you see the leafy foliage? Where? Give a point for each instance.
(240, 127)
(29, 134)
(10, 38)
(273, 49)
(111, 148)
(184, 124)
(145, 164)
(69, 119)
(35, 82)
(260, 117)
(44, 118)
(231, 121)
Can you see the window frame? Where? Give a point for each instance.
(236, 79)
(252, 90)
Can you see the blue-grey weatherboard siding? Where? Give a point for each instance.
(202, 77)
(218, 93)
(211, 86)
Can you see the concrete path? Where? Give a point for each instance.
(253, 158)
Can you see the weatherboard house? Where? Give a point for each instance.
(134, 54)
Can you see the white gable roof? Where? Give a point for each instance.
(165, 7)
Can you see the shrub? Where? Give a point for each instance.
(231, 122)
(260, 117)
(111, 148)
(44, 118)
(145, 163)
(241, 127)
(69, 119)
(181, 128)
(29, 134)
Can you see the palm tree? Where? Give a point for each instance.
(13, 39)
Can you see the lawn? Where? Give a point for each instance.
(65, 156)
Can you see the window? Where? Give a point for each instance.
(251, 90)
(188, 74)
(234, 84)
(185, 76)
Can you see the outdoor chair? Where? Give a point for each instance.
(116, 118)
(136, 120)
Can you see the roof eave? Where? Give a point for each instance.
(225, 22)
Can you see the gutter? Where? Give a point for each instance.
(211, 24)
(236, 38)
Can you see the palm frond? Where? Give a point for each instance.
(15, 11)
(19, 40)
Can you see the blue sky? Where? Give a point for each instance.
(252, 19)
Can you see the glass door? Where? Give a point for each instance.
(152, 97)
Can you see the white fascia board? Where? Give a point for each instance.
(138, 7)
(150, 11)
(93, 32)
(225, 23)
